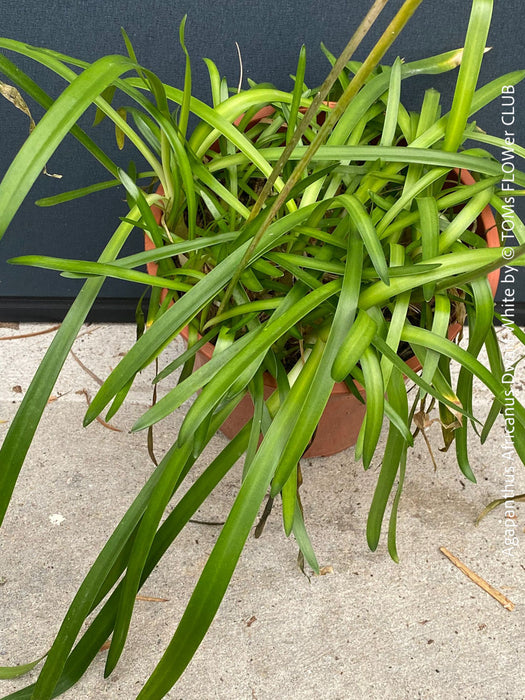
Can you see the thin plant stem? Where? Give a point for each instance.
(319, 98)
(377, 53)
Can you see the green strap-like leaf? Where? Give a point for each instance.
(302, 539)
(20, 434)
(427, 339)
(250, 358)
(100, 628)
(10, 672)
(218, 570)
(375, 403)
(388, 154)
(480, 324)
(392, 458)
(392, 105)
(29, 87)
(437, 392)
(461, 222)
(181, 313)
(289, 501)
(353, 346)
(477, 32)
(463, 264)
(429, 227)
(322, 385)
(87, 593)
(392, 525)
(50, 131)
(88, 269)
(297, 93)
(363, 223)
(158, 501)
(440, 325)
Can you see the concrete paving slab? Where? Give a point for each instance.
(368, 628)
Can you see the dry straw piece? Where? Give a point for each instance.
(503, 600)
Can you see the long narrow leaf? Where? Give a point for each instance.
(218, 570)
(393, 456)
(22, 429)
(51, 129)
(475, 41)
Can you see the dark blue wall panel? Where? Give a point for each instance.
(269, 34)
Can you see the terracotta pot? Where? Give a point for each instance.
(342, 418)
(339, 425)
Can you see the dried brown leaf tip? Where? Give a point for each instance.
(423, 420)
(325, 570)
(12, 95)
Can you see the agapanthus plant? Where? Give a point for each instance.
(318, 235)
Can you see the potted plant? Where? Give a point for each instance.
(313, 243)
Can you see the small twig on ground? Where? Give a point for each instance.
(86, 369)
(149, 599)
(54, 398)
(46, 330)
(30, 335)
(264, 517)
(206, 522)
(98, 418)
(502, 600)
(88, 332)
